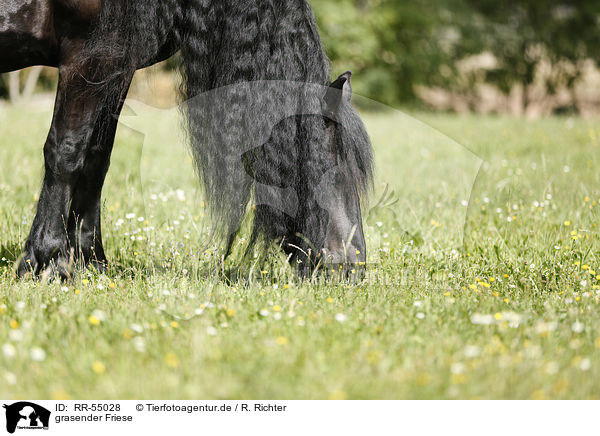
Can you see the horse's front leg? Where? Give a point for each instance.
(73, 128)
(84, 225)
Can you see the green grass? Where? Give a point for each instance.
(458, 302)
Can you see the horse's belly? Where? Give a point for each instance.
(27, 34)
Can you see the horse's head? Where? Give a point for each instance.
(309, 177)
(349, 152)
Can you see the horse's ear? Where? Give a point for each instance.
(340, 90)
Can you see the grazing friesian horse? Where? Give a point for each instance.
(317, 148)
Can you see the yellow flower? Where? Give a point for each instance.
(59, 395)
(567, 223)
(174, 324)
(230, 312)
(584, 267)
(112, 285)
(337, 395)
(457, 379)
(498, 316)
(171, 360)
(127, 334)
(330, 300)
(93, 320)
(85, 281)
(538, 395)
(14, 324)
(98, 367)
(276, 308)
(282, 340)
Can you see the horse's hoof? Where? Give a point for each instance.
(60, 267)
(27, 266)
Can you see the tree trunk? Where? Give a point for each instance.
(14, 88)
(14, 85)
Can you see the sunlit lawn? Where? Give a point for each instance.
(482, 282)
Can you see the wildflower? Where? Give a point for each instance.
(139, 344)
(457, 368)
(98, 367)
(93, 320)
(99, 314)
(585, 364)
(337, 395)
(577, 327)
(472, 351)
(60, 395)
(276, 308)
(37, 354)
(11, 379)
(171, 360)
(9, 351)
(13, 324)
(174, 324)
(480, 319)
(282, 340)
(340, 317)
(230, 313)
(420, 315)
(330, 300)
(15, 335)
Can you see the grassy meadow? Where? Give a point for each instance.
(483, 278)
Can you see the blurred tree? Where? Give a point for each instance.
(523, 33)
(390, 44)
(394, 45)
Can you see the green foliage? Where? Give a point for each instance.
(394, 45)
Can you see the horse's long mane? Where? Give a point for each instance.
(224, 45)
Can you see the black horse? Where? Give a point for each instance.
(316, 144)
